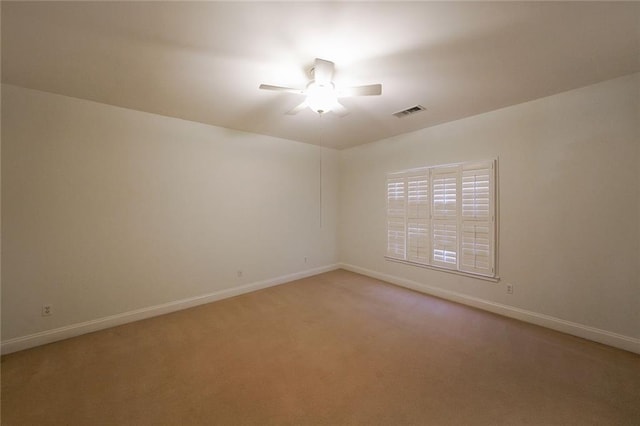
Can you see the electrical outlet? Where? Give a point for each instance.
(46, 310)
(509, 288)
(239, 273)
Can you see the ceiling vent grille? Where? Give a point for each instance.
(409, 111)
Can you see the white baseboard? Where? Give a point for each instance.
(591, 333)
(49, 336)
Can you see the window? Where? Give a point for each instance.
(444, 217)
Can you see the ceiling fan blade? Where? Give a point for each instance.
(281, 89)
(297, 109)
(339, 110)
(323, 71)
(369, 90)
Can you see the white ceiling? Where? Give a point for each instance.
(204, 61)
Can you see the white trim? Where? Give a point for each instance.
(61, 333)
(441, 269)
(620, 341)
(422, 168)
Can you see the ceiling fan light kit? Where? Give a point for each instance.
(321, 94)
(321, 98)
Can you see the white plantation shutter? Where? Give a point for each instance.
(477, 236)
(418, 217)
(396, 216)
(444, 216)
(476, 248)
(444, 189)
(444, 221)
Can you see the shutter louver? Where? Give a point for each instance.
(445, 185)
(396, 237)
(475, 247)
(396, 217)
(418, 217)
(444, 240)
(395, 196)
(445, 243)
(475, 193)
(477, 219)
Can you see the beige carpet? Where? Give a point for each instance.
(337, 348)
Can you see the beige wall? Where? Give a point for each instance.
(108, 210)
(569, 180)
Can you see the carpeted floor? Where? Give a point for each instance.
(338, 348)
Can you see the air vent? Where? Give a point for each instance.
(409, 111)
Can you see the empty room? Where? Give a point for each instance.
(320, 213)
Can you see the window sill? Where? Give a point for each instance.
(450, 271)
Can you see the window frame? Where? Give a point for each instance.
(473, 226)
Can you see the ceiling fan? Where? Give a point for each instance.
(321, 94)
